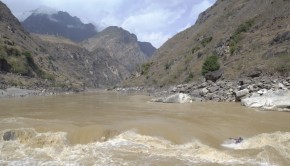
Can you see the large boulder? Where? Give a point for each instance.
(254, 73)
(175, 98)
(241, 94)
(213, 76)
(9, 136)
(279, 101)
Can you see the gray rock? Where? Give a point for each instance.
(254, 73)
(213, 89)
(281, 37)
(240, 94)
(221, 84)
(213, 76)
(255, 95)
(174, 89)
(281, 86)
(196, 99)
(209, 96)
(203, 92)
(203, 85)
(262, 92)
(270, 101)
(9, 136)
(175, 98)
(251, 88)
(195, 93)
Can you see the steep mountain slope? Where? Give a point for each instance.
(58, 23)
(75, 64)
(18, 53)
(121, 46)
(246, 36)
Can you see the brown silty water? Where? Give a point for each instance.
(114, 129)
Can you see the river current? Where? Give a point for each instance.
(104, 128)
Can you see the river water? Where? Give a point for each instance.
(114, 129)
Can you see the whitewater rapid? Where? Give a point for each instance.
(131, 148)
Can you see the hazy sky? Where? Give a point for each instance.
(151, 20)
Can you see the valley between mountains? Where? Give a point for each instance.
(235, 50)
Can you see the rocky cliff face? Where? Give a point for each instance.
(76, 65)
(121, 46)
(247, 37)
(58, 23)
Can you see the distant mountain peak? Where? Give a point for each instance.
(44, 10)
(49, 21)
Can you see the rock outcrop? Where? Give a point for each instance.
(279, 100)
(121, 46)
(175, 98)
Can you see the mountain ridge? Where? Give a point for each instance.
(122, 45)
(59, 23)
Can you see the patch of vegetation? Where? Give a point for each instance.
(283, 66)
(206, 40)
(194, 49)
(210, 64)
(18, 65)
(189, 77)
(237, 36)
(168, 65)
(15, 61)
(145, 68)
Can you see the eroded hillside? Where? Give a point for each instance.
(245, 35)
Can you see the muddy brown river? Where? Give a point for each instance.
(104, 128)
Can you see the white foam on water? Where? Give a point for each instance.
(12, 120)
(53, 148)
(277, 141)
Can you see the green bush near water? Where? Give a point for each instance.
(210, 64)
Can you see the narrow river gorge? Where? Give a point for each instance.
(105, 128)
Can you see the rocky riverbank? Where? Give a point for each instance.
(222, 91)
(19, 92)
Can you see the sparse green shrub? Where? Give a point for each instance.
(205, 41)
(12, 60)
(283, 68)
(189, 77)
(30, 61)
(236, 37)
(18, 65)
(167, 66)
(210, 64)
(4, 65)
(194, 49)
(283, 65)
(244, 27)
(145, 68)
(11, 51)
